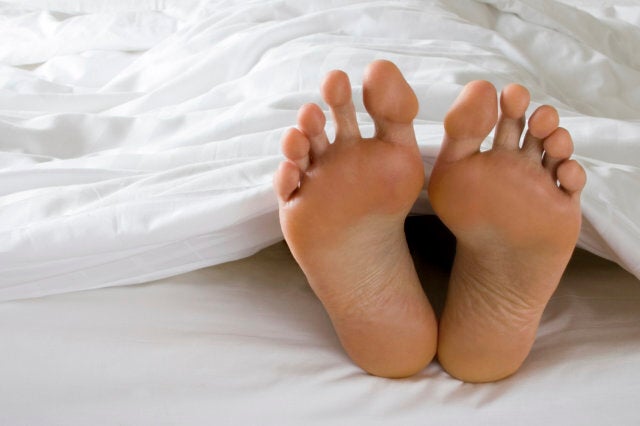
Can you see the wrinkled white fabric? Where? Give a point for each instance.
(248, 343)
(138, 139)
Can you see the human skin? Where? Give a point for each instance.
(515, 212)
(342, 212)
(342, 207)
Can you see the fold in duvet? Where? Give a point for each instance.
(138, 141)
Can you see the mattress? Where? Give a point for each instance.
(247, 342)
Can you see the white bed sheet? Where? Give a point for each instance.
(248, 343)
(138, 138)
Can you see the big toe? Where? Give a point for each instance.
(469, 120)
(390, 101)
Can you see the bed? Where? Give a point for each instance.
(143, 278)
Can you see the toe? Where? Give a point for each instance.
(514, 101)
(336, 91)
(286, 181)
(572, 177)
(311, 122)
(390, 101)
(558, 147)
(296, 146)
(469, 121)
(542, 123)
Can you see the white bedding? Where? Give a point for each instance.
(247, 343)
(137, 142)
(138, 138)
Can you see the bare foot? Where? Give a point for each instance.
(342, 210)
(515, 211)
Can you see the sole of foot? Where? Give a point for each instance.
(342, 208)
(515, 212)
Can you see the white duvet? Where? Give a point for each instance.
(138, 138)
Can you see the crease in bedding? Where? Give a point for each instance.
(138, 139)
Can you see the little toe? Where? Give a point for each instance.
(542, 123)
(286, 181)
(295, 146)
(311, 122)
(469, 121)
(514, 101)
(572, 177)
(558, 147)
(336, 91)
(390, 101)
